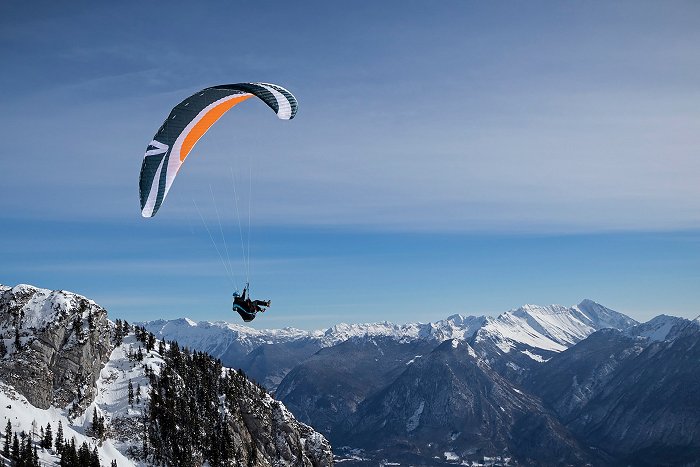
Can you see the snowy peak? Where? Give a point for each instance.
(454, 327)
(661, 328)
(602, 317)
(551, 328)
(38, 308)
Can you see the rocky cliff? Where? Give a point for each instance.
(57, 343)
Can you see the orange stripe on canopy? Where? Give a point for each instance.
(204, 123)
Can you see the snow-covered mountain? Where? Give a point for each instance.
(660, 328)
(216, 338)
(512, 340)
(268, 355)
(122, 392)
(551, 328)
(535, 332)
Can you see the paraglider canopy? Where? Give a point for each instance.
(187, 123)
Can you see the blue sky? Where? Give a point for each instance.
(447, 157)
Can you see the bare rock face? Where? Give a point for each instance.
(56, 344)
(283, 439)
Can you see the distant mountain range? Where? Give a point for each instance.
(130, 398)
(537, 385)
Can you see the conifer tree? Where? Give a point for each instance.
(69, 456)
(131, 393)
(118, 336)
(138, 393)
(95, 422)
(18, 342)
(151, 343)
(65, 459)
(15, 448)
(8, 439)
(27, 454)
(3, 347)
(59, 438)
(48, 437)
(94, 458)
(84, 455)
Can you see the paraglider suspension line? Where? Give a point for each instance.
(246, 257)
(211, 237)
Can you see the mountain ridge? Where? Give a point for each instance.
(585, 317)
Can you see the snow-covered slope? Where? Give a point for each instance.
(23, 415)
(111, 402)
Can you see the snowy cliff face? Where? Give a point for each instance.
(55, 339)
(56, 344)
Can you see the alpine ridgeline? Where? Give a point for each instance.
(537, 385)
(77, 389)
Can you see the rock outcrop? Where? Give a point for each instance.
(57, 343)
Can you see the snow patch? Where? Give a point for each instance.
(534, 356)
(451, 456)
(413, 359)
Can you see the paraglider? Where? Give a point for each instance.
(186, 124)
(246, 307)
